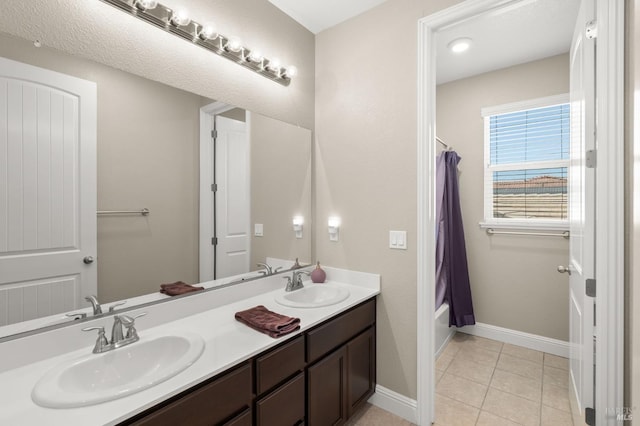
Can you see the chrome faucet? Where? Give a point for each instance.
(123, 333)
(268, 270)
(97, 309)
(295, 281)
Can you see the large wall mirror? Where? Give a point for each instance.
(208, 218)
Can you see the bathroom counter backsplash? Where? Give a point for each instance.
(227, 343)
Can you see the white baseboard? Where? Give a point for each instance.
(395, 403)
(527, 340)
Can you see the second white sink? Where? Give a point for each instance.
(97, 378)
(313, 296)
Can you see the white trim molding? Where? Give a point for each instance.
(207, 169)
(426, 225)
(518, 338)
(395, 403)
(610, 211)
(609, 208)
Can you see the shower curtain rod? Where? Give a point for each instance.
(442, 142)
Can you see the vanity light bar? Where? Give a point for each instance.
(169, 20)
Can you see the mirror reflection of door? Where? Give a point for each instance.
(47, 192)
(232, 198)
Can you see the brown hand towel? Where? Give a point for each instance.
(178, 288)
(265, 321)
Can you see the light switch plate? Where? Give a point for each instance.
(398, 240)
(258, 230)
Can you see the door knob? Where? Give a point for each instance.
(564, 269)
(88, 260)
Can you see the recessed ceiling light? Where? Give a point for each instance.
(460, 45)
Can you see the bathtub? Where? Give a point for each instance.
(443, 332)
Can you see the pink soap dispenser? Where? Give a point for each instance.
(318, 275)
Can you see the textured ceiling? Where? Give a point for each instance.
(94, 30)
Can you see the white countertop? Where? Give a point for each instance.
(227, 343)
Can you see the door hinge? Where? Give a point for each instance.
(590, 416)
(214, 241)
(590, 286)
(591, 31)
(214, 134)
(214, 187)
(591, 158)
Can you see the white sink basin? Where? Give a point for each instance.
(313, 296)
(96, 378)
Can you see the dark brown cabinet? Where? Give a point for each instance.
(339, 383)
(361, 370)
(283, 406)
(326, 390)
(225, 400)
(319, 378)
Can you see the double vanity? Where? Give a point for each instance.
(195, 364)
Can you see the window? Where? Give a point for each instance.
(526, 164)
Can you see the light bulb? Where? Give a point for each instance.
(208, 32)
(234, 44)
(460, 45)
(146, 4)
(180, 18)
(274, 65)
(291, 71)
(256, 56)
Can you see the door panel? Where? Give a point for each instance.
(582, 208)
(232, 203)
(48, 193)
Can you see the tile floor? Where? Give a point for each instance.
(487, 383)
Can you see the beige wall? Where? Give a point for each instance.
(98, 31)
(147, 150)
(365, 159)
(514, 281)
(280, 189)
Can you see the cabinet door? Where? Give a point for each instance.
(283, 406)
(243, 419)
(210, 404)
(326, 390)
(361, 353)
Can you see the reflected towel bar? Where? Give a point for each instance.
(143, 212)
(565, 234)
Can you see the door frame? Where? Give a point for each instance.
(207, 169)
(609, 226)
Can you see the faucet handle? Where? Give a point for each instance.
(101, 341)
(277, 269)
(113, 307)
(129, 323)
(76, 315)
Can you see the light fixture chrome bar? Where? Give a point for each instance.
(565, 234)
(143, 212)
(160, 17)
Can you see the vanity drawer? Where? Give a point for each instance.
(337, 331)
(279, 364)
(284, 406)
(212, 404)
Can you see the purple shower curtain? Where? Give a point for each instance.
(452, 272)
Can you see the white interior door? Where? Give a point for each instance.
(582, 208)
(47, 192)
(232, 199)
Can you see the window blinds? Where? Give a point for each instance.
(528, 162)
